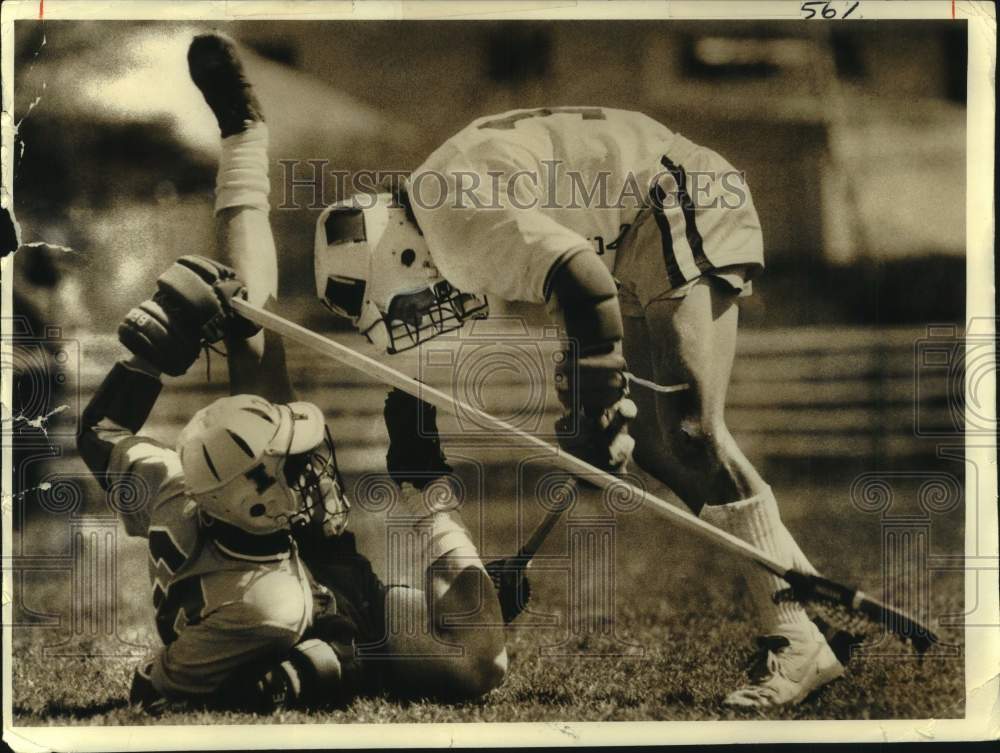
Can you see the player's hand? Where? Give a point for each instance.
(191, 308)
(597, 411)
(415, 455)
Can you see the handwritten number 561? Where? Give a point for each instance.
(826, 10)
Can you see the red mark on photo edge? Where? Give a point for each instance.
(952, 9)
(41, 8)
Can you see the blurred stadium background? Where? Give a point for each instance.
(852, 139)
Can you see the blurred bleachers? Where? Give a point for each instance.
(804, 394)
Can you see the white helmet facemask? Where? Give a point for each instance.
(373, 267)
(263, 467)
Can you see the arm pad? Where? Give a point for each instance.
(125, 398)
(586, 294)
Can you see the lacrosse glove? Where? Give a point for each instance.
(415, 455)
(594, 394)
(190, 309)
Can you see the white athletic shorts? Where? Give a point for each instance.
(704, 223)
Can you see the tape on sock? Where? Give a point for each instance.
(241, 180)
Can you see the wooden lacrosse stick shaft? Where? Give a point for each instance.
(444, 401)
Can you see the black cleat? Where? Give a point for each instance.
(843, 642)
(415, 453)
(217, 71)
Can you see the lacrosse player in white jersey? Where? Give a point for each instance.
(640, 242)
(262, 599)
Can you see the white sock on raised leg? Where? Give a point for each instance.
(242, 177)
(757, 521)
(435, 511)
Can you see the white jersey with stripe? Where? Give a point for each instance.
(215, 611)
(582, 174)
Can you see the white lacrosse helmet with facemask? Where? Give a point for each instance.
(263, 467)
(374, 268)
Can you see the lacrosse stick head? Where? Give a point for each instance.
(854, 611)
(374, 267)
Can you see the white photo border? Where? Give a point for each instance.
(982, 643)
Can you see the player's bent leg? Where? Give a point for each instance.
(695, 343)
(446, 638)
(689, 340)
(466, 612)
(457, 650)
(650, 452)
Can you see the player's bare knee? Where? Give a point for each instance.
(478, 672)
(469, 616)
(691, 442)
(489, 673)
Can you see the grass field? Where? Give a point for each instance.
(674, 639)
(675, 600)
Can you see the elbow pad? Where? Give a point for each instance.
(591, 377)
(124, 398)
(586, 294)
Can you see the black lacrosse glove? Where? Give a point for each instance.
(415, 453)
(513, 589)
(191, 308)
(593, 391)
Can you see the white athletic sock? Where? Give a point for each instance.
(437, 507)
(757, 521)
(242, 177)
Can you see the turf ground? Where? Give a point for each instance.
(670, 641)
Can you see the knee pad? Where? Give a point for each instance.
(318, 673)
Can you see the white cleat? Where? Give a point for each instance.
(790, 665)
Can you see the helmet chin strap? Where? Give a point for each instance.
(236, 543)
(378, 335)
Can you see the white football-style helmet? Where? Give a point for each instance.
(373, 266)
(262, 467)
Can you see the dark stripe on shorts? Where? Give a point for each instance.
(687, 207)
(674, 274)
